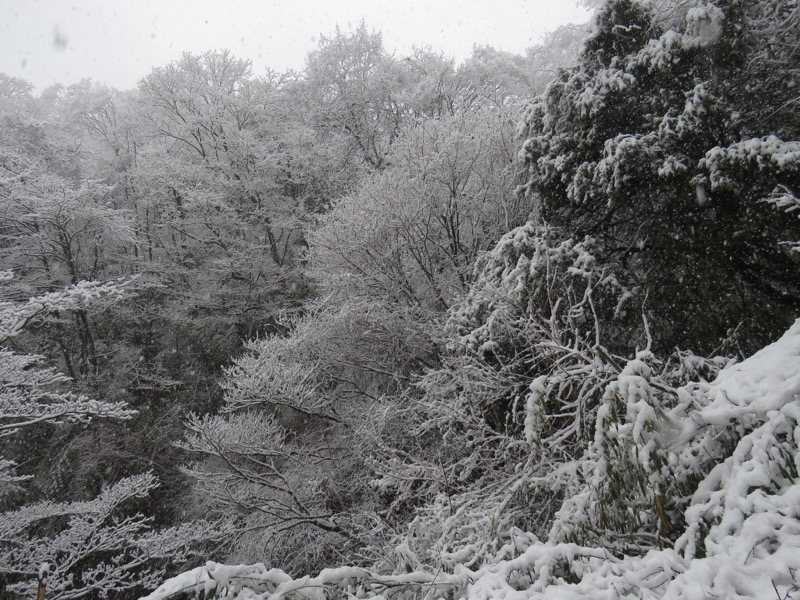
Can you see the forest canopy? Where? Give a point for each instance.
(524, 326)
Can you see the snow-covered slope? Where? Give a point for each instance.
(742, 524)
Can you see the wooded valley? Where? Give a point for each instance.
(392, 326)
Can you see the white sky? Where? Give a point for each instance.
(117, 42)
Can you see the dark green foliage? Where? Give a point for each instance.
(622, 27)
(645, 147)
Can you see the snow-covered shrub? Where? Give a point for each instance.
(633, 493)
(544, 428)
(514, 399)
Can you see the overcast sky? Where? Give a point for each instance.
(117, 42)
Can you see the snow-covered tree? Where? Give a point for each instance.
(286, 455)
(409, 235)
(728, 443)
(93, 547)
(223, 222)
(354, 88)
(514, 400)
(574, 434)
(668, 144)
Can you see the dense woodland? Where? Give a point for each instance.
(391, 326)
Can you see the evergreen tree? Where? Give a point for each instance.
(669, 147)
